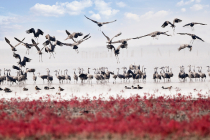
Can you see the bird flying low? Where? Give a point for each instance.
(192, 24)
(154, 34)
(194, 37)
(166, 23)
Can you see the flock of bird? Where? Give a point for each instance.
(101, 74)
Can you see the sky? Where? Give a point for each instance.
(134, 18)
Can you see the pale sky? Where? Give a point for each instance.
(134, 18)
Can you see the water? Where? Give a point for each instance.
(94, 57)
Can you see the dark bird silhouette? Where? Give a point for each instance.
(60, 89)
(7, 90)
(166, 23)
(23, 62)
(1, 89)
(185, 46)
(109, 41)
(154, 34)
(30, 70)
(134, 87)
(25, 89)
(46, 88)
(192, 24)
(73, 35)
(51, 49)
(28, 46)
(138, 87)
(37, 88)
(193, 37)
(39, 51)
(50, 38)
(36, 34)
(12, 47)
(100, 23)
(16, 67)
(77, 43)
(15, 55)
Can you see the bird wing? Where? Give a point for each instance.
(18, 40)
(7, 41)
(92, 20)
(119, 41)
(42, 48)
(108, 22)
(186, 24)
(128, 39)
(68, 33)
(38, 49)
(184, 34)
(144, 35)
(57, 42)
(26, 59)
(30, 31)
(68, 44)
(86, 36)
(17, 56)
(199, 38)
(39, 32)
(116, 35)
(19, 43)
(106, 36)
(165, 24)
(176, 20)
(47, 42)
(199, 23)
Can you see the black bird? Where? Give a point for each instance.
(28, 46)
(138, 87)
(134, 87)
(46, 88)
(36, 34)
(166, 23)
(1, 89)
(12, 47)
(100, 23)
(25, 89)
(23, 62)
(15, 55)
(60, 89)
(192, 24)
(37, 88)
(52, 88)
(193, 37)
(7, 90)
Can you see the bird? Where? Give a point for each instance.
(37, 88)
(13, 47)
(192, 24)
(185, 46)
(7, 90)
(30, 70)
(52, 88)
(77, 43)
(123, 42)
(109, 41)
(75, 76)
(46, 88)
(166, 23)
(138, 87)
(73, 35)
(60, 89)
(50, 38)
(16, 67)
(25, 89)
(154, 34)
(51, 49)
(127, 87)
(36, 34)
(1, 89)
(133, 87)
(193, 37)
(167, 87)
(100, 24)
(39, 51)
(28, 46)
(23, 62)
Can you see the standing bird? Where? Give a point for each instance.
(185, 46)
(76, 44)
(109, 41)
(193, 37)
(73, 35)
(13, 47)
(37, 88)
(154, 34)
(100, 24)
(36, 34)
(176, 20)
(192, 25)
(38, 50)
(28, 46)
(75, 76)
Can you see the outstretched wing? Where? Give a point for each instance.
(184, 34)
(91, 20)
(153, 33)
(47, 42)
(30, 31)
(7, 40)
(68, 33)
(17, 56)
(165, 24)
(68, 44)
(116, 36)
(26, 59)
(19, 43)
(186, 24)
(176, 20)
(57, 42)
(199, 23)
(86, 36)
(106, 36)
(15, 67)
(39, 32)
(38, 49)
(199, 38)
(108, 22)
(19, 40)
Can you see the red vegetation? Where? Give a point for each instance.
(134, 117)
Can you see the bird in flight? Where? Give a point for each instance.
(166, 23)
(36, 34)
(39, 51)
(73, 35)
(100, 24)
(154, 34)
(192, 25)
(194, 37)
(12, 47)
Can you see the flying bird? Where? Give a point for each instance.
(23, 62)
(16, 67)
(73, 35)
(123, 42)
(166, 23)
(77, 43)
(185, 46)
(12, 47)
(36, 34)
(38, 49)
(100, 24)
(51, 49)
(109, 41)
(193, 37)
(28, 46)
(154, 34)
(192, 24)
(50, 38)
